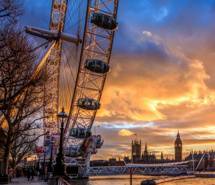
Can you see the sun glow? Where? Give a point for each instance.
(125, 132)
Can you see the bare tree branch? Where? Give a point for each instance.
(21, 99)
(9, 11)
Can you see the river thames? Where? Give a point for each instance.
(122, 180)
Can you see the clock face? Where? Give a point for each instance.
(179, 145)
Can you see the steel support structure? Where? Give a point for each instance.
(52, 68)
(96, 44)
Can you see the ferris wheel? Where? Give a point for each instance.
(76, 63)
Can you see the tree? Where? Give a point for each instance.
(9, 11)
(22, 148)
(21, 97)
(22, 113)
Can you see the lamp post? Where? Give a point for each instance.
(50, 165)
(44, 163)
(59, 169)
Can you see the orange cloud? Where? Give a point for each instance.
(165, 87)
(160, 85)
(125, 132)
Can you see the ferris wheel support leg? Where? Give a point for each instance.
(87, 166)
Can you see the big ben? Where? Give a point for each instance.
(178, 148)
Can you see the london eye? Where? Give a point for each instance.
(76, 63)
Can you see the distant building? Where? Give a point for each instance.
(162, 158)
(115, 162)
(126, 159)
(145, 155)
(135, 150)
(99, 163)
(112, 161)
(148, 157)
(178, 148)
(138, 157)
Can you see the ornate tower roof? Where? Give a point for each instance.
(178, 139)
(146, 148)
(178, 148)
(145, 153)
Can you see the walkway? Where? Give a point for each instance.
(24, 181)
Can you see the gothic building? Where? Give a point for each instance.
(136, 156)
(178, 148)
(145, 153)
(135, 150)
(148, 157)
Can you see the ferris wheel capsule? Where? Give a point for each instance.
(73, 151)
(99, 141)
(97, 66)
(80, 133)
(88, 103)
(104, 21)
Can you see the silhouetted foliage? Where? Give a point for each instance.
(22, 148)
(9, 11)
(21, 96)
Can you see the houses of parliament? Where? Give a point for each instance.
(137, 156)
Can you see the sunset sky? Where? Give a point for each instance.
(162, 75)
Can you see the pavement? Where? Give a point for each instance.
(24, 181)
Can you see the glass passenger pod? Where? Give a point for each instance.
(99, 142)
(88, 104)
(80, 133)
(96, 66)
(104, 21)
(89, 145)
(73, 151)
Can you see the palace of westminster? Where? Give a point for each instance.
(138, 157)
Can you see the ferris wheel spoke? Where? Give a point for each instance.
(69, 64)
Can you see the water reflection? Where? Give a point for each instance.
(122, 180)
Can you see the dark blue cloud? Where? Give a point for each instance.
(164, 17)
(36, 13)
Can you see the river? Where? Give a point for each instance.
(123, 180)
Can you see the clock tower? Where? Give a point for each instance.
(178, 148)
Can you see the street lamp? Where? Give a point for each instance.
(44, 161)
(59, 169)
(50, 167)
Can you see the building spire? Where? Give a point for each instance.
(162, 156)
(146, 148)
(178, 135)
(178, 148)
